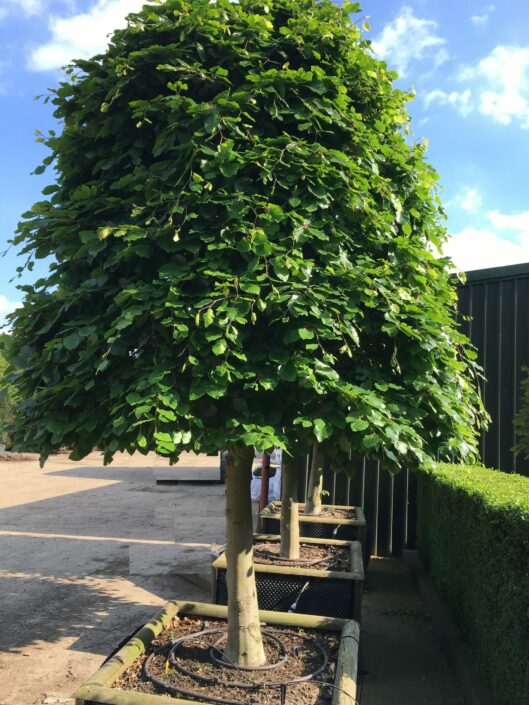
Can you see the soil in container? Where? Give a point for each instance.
(327, 512)
(331, 513)
(313, 556)
(186, 661)
(334, 522)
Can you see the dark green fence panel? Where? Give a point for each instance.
(388, 502)
(494, 313)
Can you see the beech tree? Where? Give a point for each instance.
(243, 249)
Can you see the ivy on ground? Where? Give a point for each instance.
(243, 246)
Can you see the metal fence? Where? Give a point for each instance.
(494, 314)
(388, 501)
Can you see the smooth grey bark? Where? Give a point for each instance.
(289, 527)
(245, 643)
(315, 486)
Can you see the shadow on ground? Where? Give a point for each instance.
(95, 563)
(401, 659)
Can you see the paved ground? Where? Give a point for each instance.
(88, 553)
(401, 660)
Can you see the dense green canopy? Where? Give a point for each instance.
(243, 244)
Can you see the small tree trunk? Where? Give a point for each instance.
(314, 491)
(289, 511)
(245, 644)
(265, 481)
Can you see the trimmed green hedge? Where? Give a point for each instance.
(473, 535)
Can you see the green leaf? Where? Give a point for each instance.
(322, 429)
(162, 436)
(250, 288)
(359, 425)
(288, 372)
(208, 317)
(260, 243)
(305, 333)
(370, 441)
(166, 415)
(71, 341)
(220, 347)
(229, 169)
(211, 122)
(280, 269)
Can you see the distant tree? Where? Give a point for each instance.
(243, 256)
(6, 391)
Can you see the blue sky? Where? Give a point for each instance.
(468, 63)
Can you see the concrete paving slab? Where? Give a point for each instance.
(86, 556)
(170, 559)
(187, 474)
(401, 661)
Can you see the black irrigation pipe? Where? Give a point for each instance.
(209, 680)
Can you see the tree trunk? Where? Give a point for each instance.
(245, 644)
(314, 491)
(289, 511)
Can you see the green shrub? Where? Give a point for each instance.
(6, 393)
(473, 530)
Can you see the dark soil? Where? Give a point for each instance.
(313, 556)
(304, 650)
(326, 512)
(329, 513)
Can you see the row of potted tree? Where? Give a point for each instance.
(286, 581)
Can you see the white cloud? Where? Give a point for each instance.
(469, 199)
(482, 20)
(6, 307)
(474, 248)
(460, 100)
(479, 20)
(409, 38)
(479, 249)
(81, 35)
(518, 223)
(499, 87)
(28, 7)
(502, 82)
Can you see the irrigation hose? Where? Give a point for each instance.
(223, 663)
